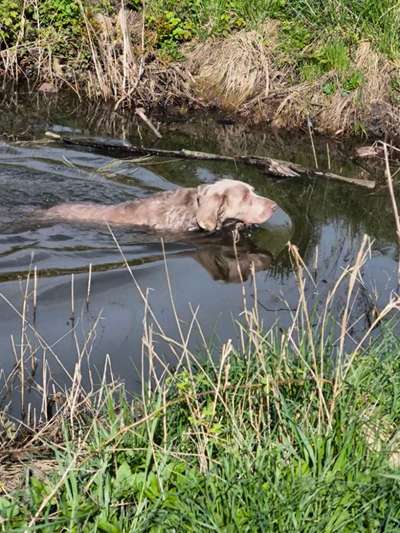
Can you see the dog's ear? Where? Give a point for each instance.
(210, 208)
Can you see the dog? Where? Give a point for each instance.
(206, 207)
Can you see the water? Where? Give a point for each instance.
(326, 221)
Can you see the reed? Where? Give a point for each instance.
(284, 430)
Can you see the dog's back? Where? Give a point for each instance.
(171, 210)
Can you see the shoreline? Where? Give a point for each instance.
(271, 72)
(265, 420)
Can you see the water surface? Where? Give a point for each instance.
(185, 277)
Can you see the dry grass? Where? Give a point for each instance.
(118, 67)
(245, 73)
(236, 70)
(367, 105)
(28, 443)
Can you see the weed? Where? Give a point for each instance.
(329, 88)
(333, 56)
(353, 81)
(170, 30)
(10, 21)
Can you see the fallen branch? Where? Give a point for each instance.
(273, 167)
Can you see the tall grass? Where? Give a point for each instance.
(282, 61)
(244, 446)
(303, 20)
(284, 431)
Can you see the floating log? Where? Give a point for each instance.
(273, 167)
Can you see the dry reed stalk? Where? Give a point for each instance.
(355, 273)
(22, 341)
(116, 74)
(310, 132)
(328, 154)
(394, 206)
(302, 313)
(72, 299)
(35, 284)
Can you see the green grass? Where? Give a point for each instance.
(302, 21)
(344, 23)
(306, 41)
(266, 441)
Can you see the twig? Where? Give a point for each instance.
(141, 114)
(89, 285)
(34, 293)
(328, 154)
(72, 299)
(309, 124)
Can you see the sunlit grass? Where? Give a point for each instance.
(285, 431)
(250, 445)
(303, 22)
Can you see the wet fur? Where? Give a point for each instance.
(184, 209)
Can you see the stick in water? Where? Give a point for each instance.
(72, 299)
(141, 114)
(89, 286)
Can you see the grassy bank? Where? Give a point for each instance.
(335, 62)
(289, 431)
(259, 443)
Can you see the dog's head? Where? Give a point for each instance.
(229, 199)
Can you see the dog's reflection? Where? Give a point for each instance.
(224, 263)
(231, 255)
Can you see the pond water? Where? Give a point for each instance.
(325, 220)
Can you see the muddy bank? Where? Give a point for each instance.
(129, 59)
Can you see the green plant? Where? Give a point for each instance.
(329, 88)
(171, 30)
(60, 14)
(310, 70)
(136, 4)
(333, 56)
(353, 81)
(294, 38)
(10, 21)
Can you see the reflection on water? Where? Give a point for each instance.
(326, 221)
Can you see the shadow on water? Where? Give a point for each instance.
(326, 221)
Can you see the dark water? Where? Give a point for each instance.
(326, 221)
